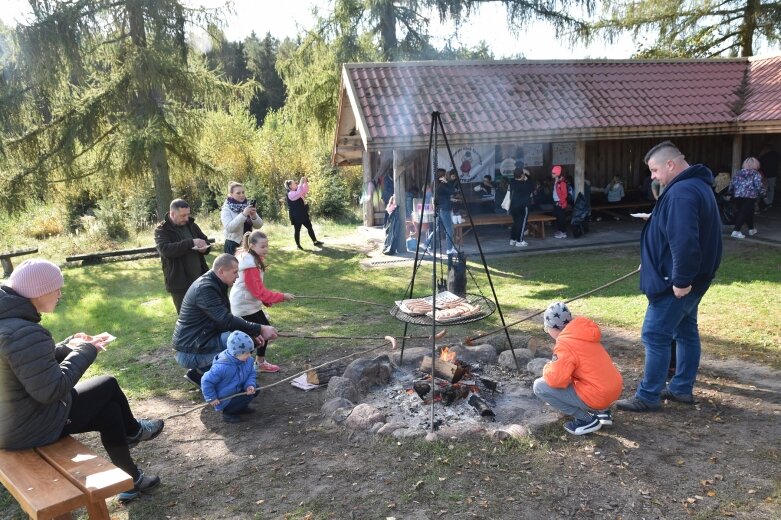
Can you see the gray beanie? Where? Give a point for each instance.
(239, 343)
(556, 316)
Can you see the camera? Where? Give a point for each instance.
(252, 203)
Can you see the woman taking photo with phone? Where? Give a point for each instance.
(238, 216)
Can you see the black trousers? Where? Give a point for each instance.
(745, 212)
(178, 298)
(99, 405)
(561, 221)
(520, 216)
(297, 231)
(259, 317)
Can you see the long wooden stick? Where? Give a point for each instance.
(309, 336)
(390, 341)
(470, 341)
(341, 298)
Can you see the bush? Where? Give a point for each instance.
(111, 219)
(45, 222)
(140, 209)
(78, 204)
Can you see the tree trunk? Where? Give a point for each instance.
(162, 181)
(748, 28)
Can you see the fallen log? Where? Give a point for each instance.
(446, 370)
(321, 375)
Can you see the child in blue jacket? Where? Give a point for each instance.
(232, 371)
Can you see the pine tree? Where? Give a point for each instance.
(106, 89)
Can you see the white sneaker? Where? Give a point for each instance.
(522, 243)
(452, 251)
(752, 231)
(738, 234)
(560, 235)
(513, 243)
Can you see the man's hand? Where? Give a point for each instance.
(200, 244)
(267, 332)
(681, 292)
(250, 390)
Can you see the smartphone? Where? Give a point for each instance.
(252, 203)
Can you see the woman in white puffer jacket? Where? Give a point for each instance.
(238, 216)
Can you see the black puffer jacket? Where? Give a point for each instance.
(36, 376)
(205, 314)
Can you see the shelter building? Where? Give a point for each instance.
(597, 118)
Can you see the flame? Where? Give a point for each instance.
(447, 355)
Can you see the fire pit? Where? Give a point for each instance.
(476, 392)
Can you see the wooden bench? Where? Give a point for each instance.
(132, 254)
(536, 223)
(51, 481)
(5, 258)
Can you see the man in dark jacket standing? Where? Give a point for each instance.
(680, 249)
(205, 321)
(182, 247)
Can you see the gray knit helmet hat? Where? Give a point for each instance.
(556, 316)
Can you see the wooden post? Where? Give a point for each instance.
(737, 152)
(400, 191)
(580, 166)
(368, 210)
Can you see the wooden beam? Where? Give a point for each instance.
(580, 166)
(368, 210)
(400, 191)
(737, 152)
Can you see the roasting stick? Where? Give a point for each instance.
(340, 298)
(389, 340)
(470, 341)
(308, 336)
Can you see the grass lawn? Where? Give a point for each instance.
(128, 299)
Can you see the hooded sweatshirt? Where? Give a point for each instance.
(579, 359)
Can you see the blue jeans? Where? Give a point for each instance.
(565, 400)
(445, 224)
(666, 319)
(201, 361)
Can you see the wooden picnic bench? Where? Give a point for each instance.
(5, 258)
(51, 481)
(610, 208)
(536, 223)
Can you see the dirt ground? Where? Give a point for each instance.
(719, 458)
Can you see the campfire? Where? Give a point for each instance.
(453, 380)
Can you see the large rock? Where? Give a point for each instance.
(389, 428)
(364, 416)
(342, 387)
(499, 341)
(535, 366)
(482, 354)
(523, 355)
(366, 373)
(412, 356)
(409, 433)
(331, 405)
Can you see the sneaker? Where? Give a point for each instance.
(452, 251)
(633, 404)
(143, 484)
(317, 243)
(605, 417)
(678, 398)
(522, 243)
(149, 429)
(737, 234)
(267, 367)
(583, 426)
(560, 234)
(230, 418)
(752, 231)
(194, 376)
(513, 243)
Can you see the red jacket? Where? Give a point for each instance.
(561, 190)
(579, 359)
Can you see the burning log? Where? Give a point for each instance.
(321, 376)
(446, 370)
(421, 388)
(479, 404)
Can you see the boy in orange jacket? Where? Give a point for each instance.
(581, 379)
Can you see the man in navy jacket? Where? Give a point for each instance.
(680, 249)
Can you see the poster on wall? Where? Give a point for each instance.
(508, 156)
(472, 162)
(532, 154)
(563, 153)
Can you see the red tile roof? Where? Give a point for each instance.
(560, 100)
